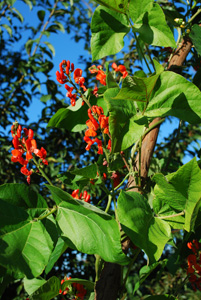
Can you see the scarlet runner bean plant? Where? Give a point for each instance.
(138, 213)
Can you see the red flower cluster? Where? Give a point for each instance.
(121, 69)
(25, 143)
(64, 75)
(194, 265)
(116, 177)
(64, 65)
(67, 289)
(101, 76)
(79, 290)
(93, 126)
(82, 196)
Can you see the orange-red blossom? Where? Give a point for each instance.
(79, 289)
(194, 265)
(93, 125)
(101, 76)
(64, 76)
(121, 69)
(24, 143)
(81, 196)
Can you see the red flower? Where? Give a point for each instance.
(25, 144)
(101, 76)
(121, 69)
(85, 196)
(194, 268)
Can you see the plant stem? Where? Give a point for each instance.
(148, 51)
(46, 215)
(42, 172)
(172, 216)
(44, 27)
(137, 41)
(139, 168)
(108, 203)
(145, 60)
(116, 188)
(195, 15)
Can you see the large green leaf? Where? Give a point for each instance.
(173, 95)
(72, 118)
(125, 126)
(88, 228)
(147, 232)
(161, 209)
(59, 249)
(48, 290)
(21, 195)
(143, 274)
(88, 172)
(181, 191)
(138, 89)
(25, 244)
(153, 28)
(117, 5)
(137, 9)
(31, 285)
(195, 35)
(108, 30)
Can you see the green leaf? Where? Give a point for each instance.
(29, 3)
(174, 95)
(59, 249)
(45, 98)
(180, 190)
(60, 26)
(125, 126)
(145, 231)
(47, 291)
(72, 118)
(138, 8)
(161, 208)
(153, 28)
(88, 172)
(108, 30)
(87, 228)
(18, 14)
(195, 35)
(8, 28)
(138, 89)
(21, 195)
(116, 5)
(28, 46)
(41, 15)
(25, 245)
(31, 285)
(50, 47)
(144, 273)
(88, 284)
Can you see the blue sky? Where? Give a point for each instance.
(65, 48)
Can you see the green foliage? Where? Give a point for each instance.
(108, 30)
(146, 231)
(195, 36)
(95, 224)
(45, 233)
